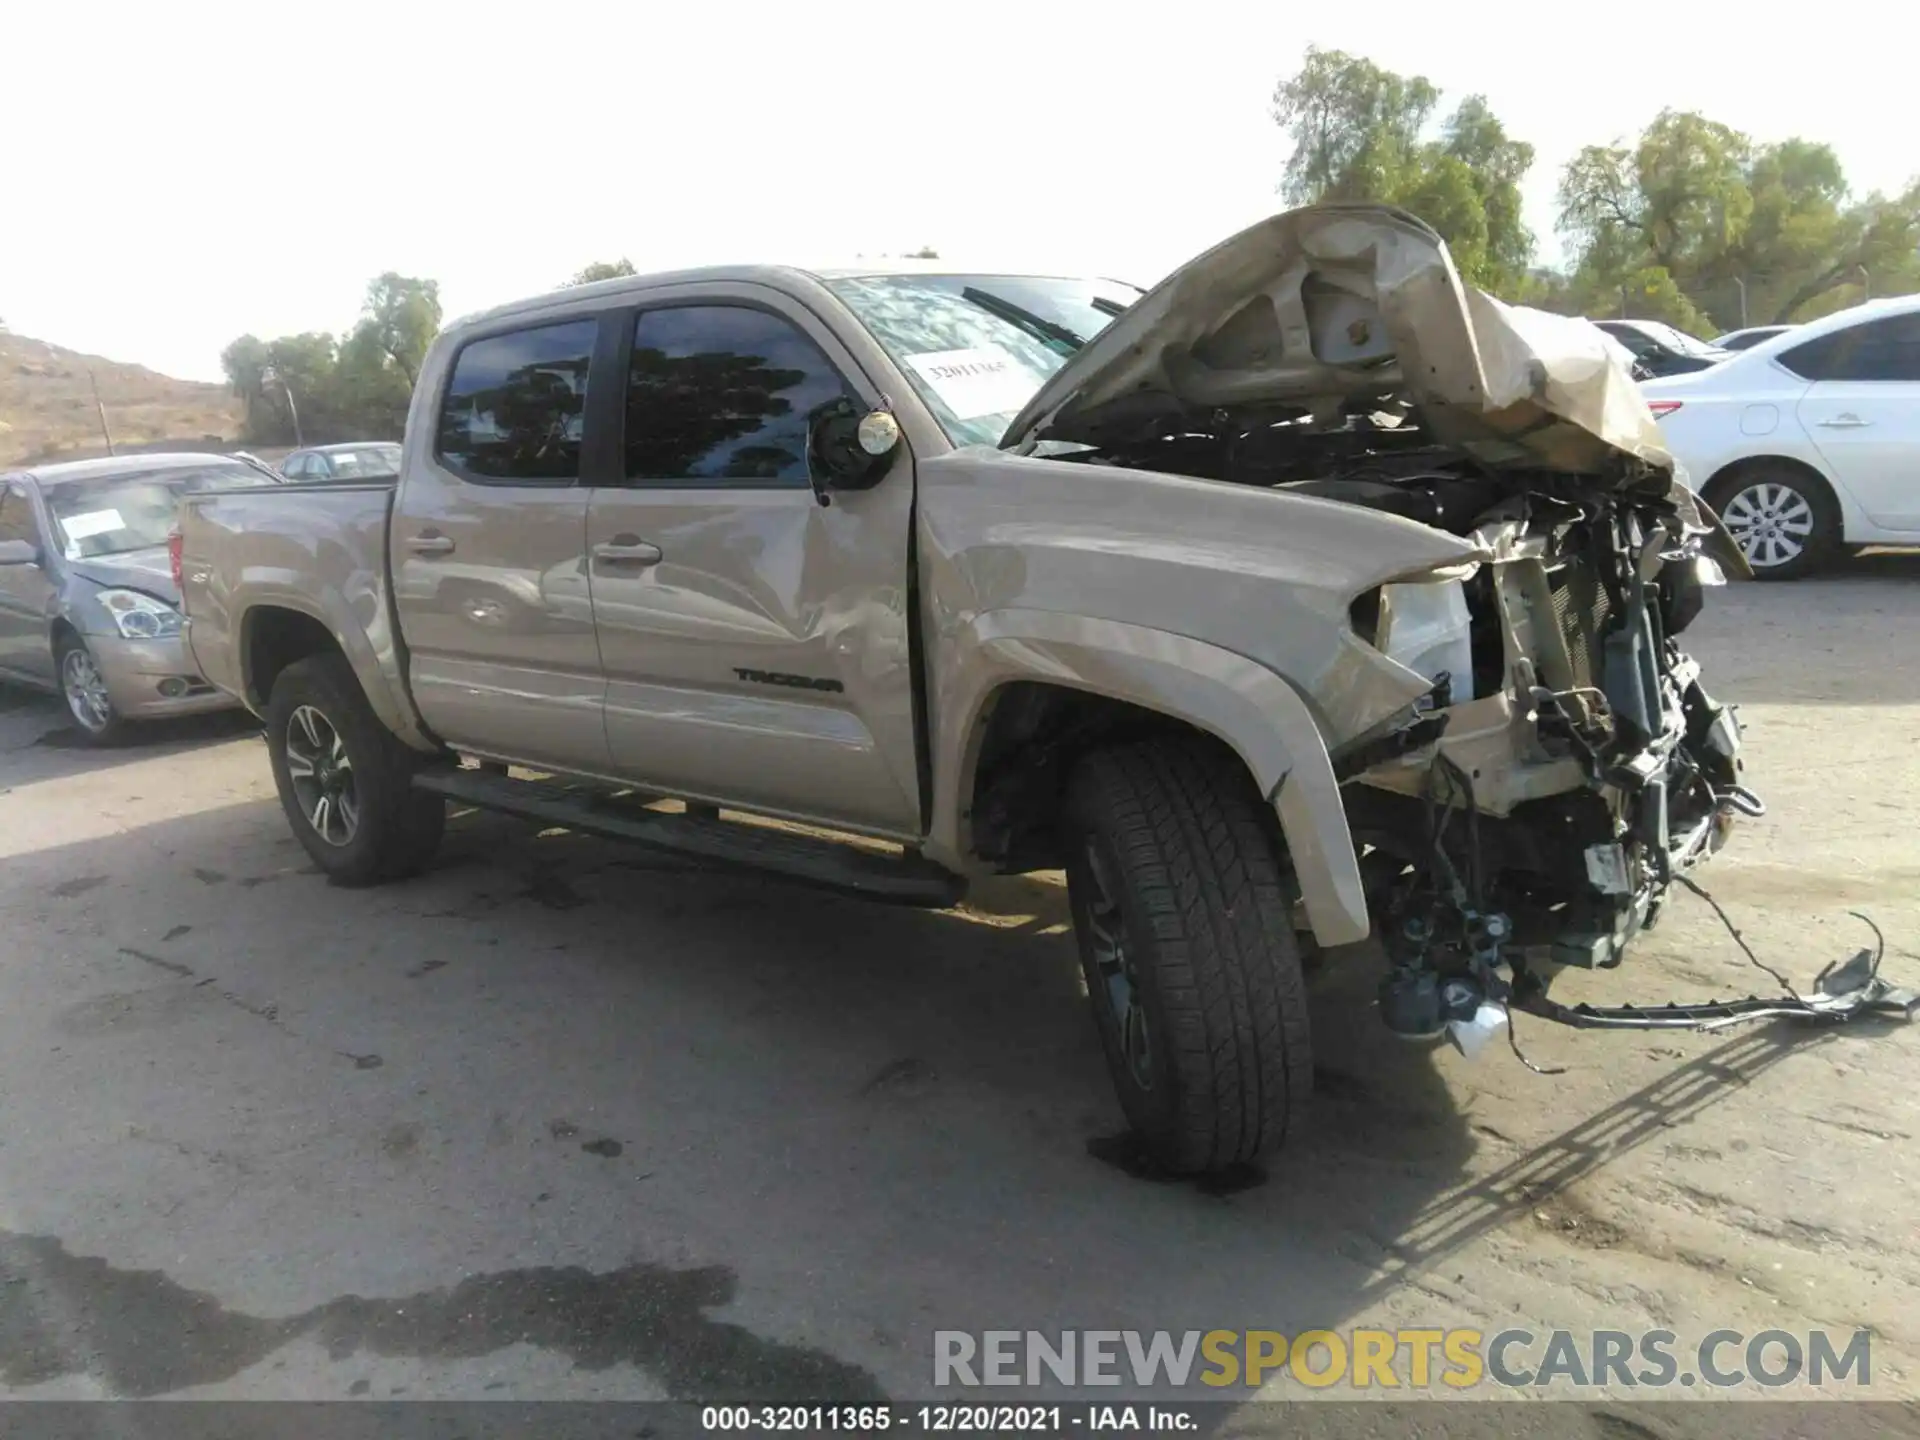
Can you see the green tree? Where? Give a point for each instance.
(402, 314)
(1364, 133)
(603, 270)
(357, 388)
(246, 363)
(369, 391)
(925, 252)
(1697, 224)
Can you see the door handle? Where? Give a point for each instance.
(430, 543)
(627, 549)
(1845, 422)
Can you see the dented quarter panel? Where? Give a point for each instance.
(316, 551)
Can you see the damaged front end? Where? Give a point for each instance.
(1568, 766)
(1561, 768)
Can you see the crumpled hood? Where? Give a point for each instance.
(1340, 303)
(149, 571)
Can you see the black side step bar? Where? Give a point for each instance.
(899, 879)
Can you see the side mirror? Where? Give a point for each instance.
(19, 552)
(848, 449)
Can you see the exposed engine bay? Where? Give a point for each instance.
(1536, 807)
(1563, 769)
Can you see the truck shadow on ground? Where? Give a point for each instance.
(792, 1085)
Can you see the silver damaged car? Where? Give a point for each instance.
(88, 602)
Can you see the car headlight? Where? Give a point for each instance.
(140, 617)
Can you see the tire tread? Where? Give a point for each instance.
(1202, 859)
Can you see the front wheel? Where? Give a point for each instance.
(345, 781)
(1182, 909)
(85, 690)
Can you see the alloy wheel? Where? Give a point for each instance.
(322, 776)
(86, 691)
(1772, 523)
(1114, 961)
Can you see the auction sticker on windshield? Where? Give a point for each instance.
(984, 380)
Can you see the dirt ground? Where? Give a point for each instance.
(562, 1119)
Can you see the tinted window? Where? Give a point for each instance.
(722, 393)
(1632, 337)
(16, 517)
(1878, 350)
(516, 404)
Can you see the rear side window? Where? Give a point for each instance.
(515, 405)
(1878, 350)
(721, 395)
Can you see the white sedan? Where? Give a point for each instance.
(1809, 441)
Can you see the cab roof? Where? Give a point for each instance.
(774, 275)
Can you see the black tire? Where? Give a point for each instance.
(396, 828)
(1786, 492)
(93, 730)
(1196, 877)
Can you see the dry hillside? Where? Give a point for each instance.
(47, 409)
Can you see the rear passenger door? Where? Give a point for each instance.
(488, 557)
(755, 641)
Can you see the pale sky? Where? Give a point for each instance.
(179, 172)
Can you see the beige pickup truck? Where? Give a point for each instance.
(1308, 596)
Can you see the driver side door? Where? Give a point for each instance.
(755, 641)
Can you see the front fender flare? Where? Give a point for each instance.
(1235, 699)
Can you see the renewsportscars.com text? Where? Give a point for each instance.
(1414, 1359)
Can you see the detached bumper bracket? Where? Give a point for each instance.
(1850, 991)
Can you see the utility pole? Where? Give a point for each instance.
(102, 409)
(1741, 282)
(1866, 284)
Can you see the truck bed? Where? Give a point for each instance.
(316, 550)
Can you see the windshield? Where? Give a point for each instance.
(133, 510)
(975, 348)
(371, 462)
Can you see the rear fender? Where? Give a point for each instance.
(369, 649)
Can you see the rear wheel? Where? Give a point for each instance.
(1182, 909)
(85, 690)
(345, 781)
(1783, 520)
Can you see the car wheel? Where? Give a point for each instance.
(1183, 914)
(345, 780)
(85, 690)
(1785, 522)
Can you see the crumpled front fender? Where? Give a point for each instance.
(1227, 695)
